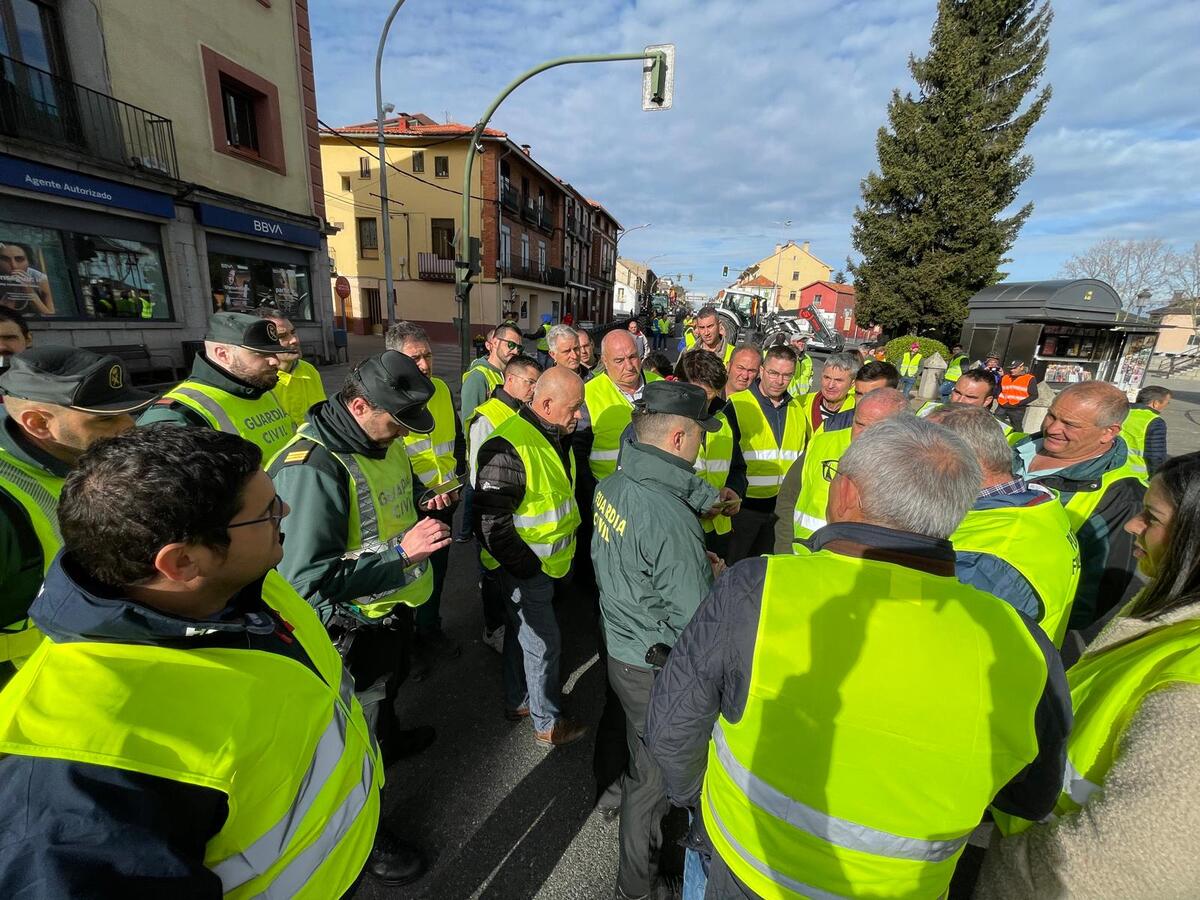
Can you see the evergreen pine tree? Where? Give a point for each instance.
(929, 229)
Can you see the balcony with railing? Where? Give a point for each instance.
(510, 197)
(546, 220)
(38, 106)
(529, 210)
(531, 270)
(431, 267)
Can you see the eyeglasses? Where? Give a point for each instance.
(274, 517)
(529, 381)
(829, 469)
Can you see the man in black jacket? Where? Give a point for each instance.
(532, 641)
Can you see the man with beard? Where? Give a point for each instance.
(299, 388)
(230, 388)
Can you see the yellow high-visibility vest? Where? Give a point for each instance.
(611, 412)
(767, 462)
(37, 491)
(712, 464)
(432, 455)
(814, 489)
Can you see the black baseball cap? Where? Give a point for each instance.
(74, 378)
(393, 382)
(246, 331)
(678, 398)
(1015, 363)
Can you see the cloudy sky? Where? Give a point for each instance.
(776, 108)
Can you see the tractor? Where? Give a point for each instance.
(747, 317)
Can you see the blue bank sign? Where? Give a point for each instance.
(259, 226)
(31, 176)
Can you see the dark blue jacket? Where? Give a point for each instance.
(71, 829)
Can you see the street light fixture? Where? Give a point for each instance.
(380, 111)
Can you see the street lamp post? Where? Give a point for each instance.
(383, 174)
(657, 89)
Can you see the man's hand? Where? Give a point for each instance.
(424, 539)
(718, 564)
(441, 501)
(727, 495)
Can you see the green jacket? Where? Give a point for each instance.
(317, 488)
(648, 550)
(204, 372)
(21, 563)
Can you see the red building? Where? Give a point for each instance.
(837, 299)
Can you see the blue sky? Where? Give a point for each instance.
(776, 109)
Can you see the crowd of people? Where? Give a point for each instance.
(213, 607)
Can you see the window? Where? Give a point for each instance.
(795, 276)
(346, 183)
(443, 237)
(816, 300)
(542, 255)
(47, 273)
(418, 161)
(441, 166)
(364, 167)
(368, 238)
(241, 283)
(505, 246)
(792, 295)
(541, 200)
(525, 250)
(241, 124)
(29, 32)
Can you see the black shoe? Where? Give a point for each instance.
(399, 864)
(406, 743)
(435, 645)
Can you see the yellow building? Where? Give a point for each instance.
(791, 267)
(159, 161)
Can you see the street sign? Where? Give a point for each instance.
(658, 77)
(341, 287)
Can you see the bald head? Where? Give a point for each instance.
(619, 353)
(1108, 401)
(557, 398)
(877, 406)
(1083, 422)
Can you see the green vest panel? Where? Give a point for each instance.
(910, 365)
(1133, 429)
(954, 370)
(767, 463)
(1081, 504)
(37, 492)
(493, 378)
(289, 748)
(261, 422)
(1039, 543)
(548, 516)
(432, 455)
(814, 489)
(886, 708)
(712, 464)
(610, 412)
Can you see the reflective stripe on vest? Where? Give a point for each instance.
(287, 745)
(910, 365)
(382, 511)
(767, 463)
(486, 419)
(1014, 390)
(548, 516)
(897, 783)
(262, 422)
(1039, 543)
(610, 412)
(37, 492)
(432, 455)
(814, 489)
(712, 464)
(1108, 686)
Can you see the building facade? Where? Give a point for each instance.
(577, 253)
(791, 267)
(133, 205)
(1178, 321)
(605, 229)
(838, 302)
(630, 287)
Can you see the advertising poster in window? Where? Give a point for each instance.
(45, 273)
(240, 284)
(232, 291)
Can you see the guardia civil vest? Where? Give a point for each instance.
(910, 365)
(289, 748)
(1134, 428)
(767, 463)
(802, 380)
(1107, 688)
(886, 707)
(824, 446)
(262, 422)
(548, 516)
(37, 491)
(611, 412)
(712, 464)
(299, 390)
(1038, 542)
(382, 511)
(493, 378)
(484, 421)
(954, 370)
(432, 455)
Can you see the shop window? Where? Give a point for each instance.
(442, 237)
(244, 112)
(441, 166)
(368, 238)
(418, 161)
(241, 283)
(46, 273)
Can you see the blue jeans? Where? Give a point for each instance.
(945, 389)
(695, 873)
(906, 383)
(532, 646)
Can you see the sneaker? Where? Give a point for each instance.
(494, 638)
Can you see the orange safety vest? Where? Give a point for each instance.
(1014, 390)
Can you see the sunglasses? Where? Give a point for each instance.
(511, 345)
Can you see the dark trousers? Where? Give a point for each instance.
(492, 595)
(753, 535)
(377, 658)
(718, 543)
(429, 614)
(643, 796)
(463, 527)
(1013, 415)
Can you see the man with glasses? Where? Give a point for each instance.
(487, 373)
(230, 388)
(439, 460)
(184, 683)
(299, 387)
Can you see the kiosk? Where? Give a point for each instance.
(1065, 331)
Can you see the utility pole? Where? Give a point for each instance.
(380, 112)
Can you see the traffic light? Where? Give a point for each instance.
(724, 271)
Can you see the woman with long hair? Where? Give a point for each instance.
(1127, 820)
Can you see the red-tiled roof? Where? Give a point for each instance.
(757, 281)
(424, 127)
(834, 286)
